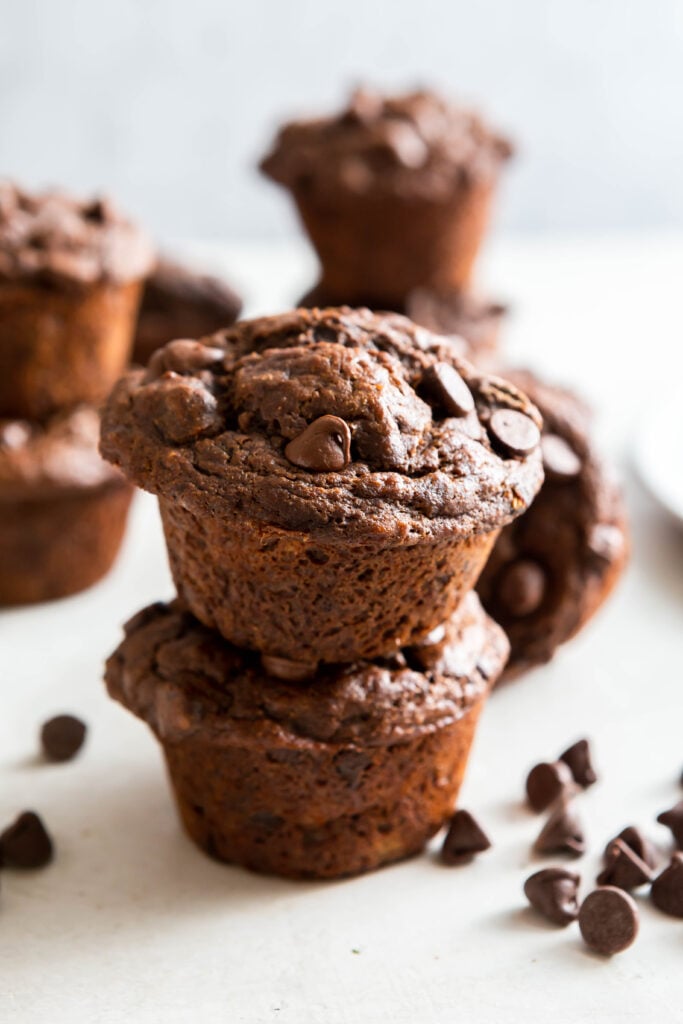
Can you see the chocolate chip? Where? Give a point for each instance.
(464, 839)
(560, 461)
(673, 819)
(183, 356)
(515, 432)
(640, 845)
(521, 587)
(578, 759)
(351, 764)
(62, 737)
(608, 919)
(624, 868)
(562, 833)
(553, 892)
(284, 668)
(667, 888)
(445, 386)
(25, 843)
(324, 446)
(182, 408)
(546, 782)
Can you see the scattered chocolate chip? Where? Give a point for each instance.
(546, 782)
(324, 446)
(62, 737)
(183, 356)
(284, 668)
(578, 759)
(515, 432)
(521, 587)
(560, 461)
(624, 868)
(562, 833)
(553, 892)
(673, 819)
(464, 839)
(641, 846)
(608, 919)
(667, 888)
(445, 386)
(25, 843)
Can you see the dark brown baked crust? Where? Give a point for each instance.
(355, 768)
(552, 569)
(416, 145)
(178, 303)
(207, 428)
(55, 241)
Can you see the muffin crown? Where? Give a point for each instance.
(55, 240)
(415, 144)
(330, 420)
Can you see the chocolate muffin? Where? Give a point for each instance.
(471, 322)
(62, 508)
(178, 303)
(552, 569)
(331, 482)
(394, 193)
(334, 776)
(70, 282)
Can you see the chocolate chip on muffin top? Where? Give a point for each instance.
(330, 420)
(413, 144)
(53, 239)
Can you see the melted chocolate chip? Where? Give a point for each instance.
(553, 892)
(623, 867)
(673, 819)
(547, 782)
(562, 833)
(183, 356)
(667, 888)
(560, 461)
(284, 668)
(464, 839)
(521, 587)
(578, 759)
(62, 737)
(445, 386)
(514, 432)
(608, 919)
(25, 843)
(324, 446)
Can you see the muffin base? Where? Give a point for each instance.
(378, 248)
(290, 595)
(59, 348)
(55, 546)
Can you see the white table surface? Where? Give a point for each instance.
(132, 924)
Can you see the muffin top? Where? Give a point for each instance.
(54, 240)
(58, 456)
(183, 678)
(413, 145)
(338, 421)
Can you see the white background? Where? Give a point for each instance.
(168, 104)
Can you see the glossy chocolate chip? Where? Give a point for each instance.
(623, 867)
(25, 843)
(673, 819)
(183, 356)
(62, 737)
(560, 461)
(285, 668)
(464, 839)
(579, 761)
(546, 782)
(553, 892)
(324, 446)
(562, 833)
(667, 888)
(514, 432)
(521, 587)
(608, 919)
(640, 845)
(444, 385)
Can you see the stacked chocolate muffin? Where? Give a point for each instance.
(331, 483)
(395, 194)
(70, 281)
